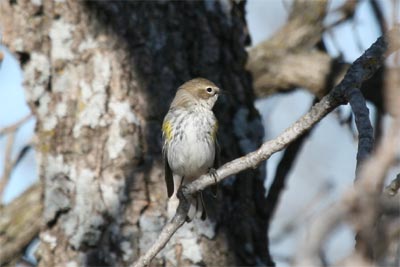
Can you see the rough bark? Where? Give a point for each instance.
(99, 77)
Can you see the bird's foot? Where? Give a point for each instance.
(214, 188)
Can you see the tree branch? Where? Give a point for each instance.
(363, 124)
(363, 68)
(287, 60)
(363, 204)
(9, 163)
(276, 67)
(305, 69)
(302, 31)
(19, 223)
(15, 126)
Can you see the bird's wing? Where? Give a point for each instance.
(217, 159)
(167, 135)
(214, 188)
(169, 178)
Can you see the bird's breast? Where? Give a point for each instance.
(192, 150)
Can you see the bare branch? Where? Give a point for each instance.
(306, 69)
(8, 165)
(19, 223)
(378, 13)
(14, 127)
(6, 175)
(347, 11)
(302, 31)
(363, 123)
(287, 60)
(277, 68)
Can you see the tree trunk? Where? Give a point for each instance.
(99, 77)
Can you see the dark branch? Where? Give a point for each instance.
(363, 123)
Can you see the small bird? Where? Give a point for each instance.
(190, 145)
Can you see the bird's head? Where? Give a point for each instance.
(197, 91)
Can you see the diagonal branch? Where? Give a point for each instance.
(20, 222)
(289, 59)
(14, 127)
(363, 68)
(9, 163)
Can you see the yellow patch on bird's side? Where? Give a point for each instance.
(214, 131)
(167, 130)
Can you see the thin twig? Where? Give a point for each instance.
(13, 127)
(347, 11)
(378, 14)
(8, 164)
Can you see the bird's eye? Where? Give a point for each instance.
(209, 89)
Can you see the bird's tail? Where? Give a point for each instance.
(197, 208)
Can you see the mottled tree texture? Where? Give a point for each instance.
(99, 76)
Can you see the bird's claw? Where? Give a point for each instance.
(214, 188)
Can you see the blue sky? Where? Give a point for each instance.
(13, 107)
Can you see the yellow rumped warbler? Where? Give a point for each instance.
(190, 144)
